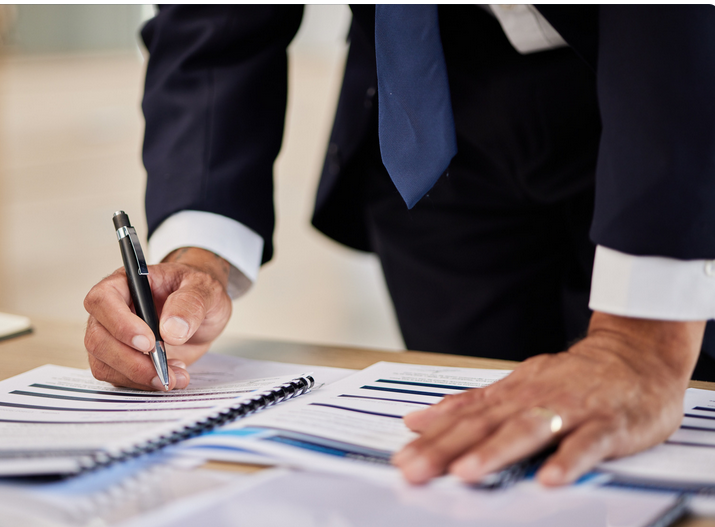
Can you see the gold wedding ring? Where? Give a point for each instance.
(554, 419)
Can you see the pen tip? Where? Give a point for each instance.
(166, 387)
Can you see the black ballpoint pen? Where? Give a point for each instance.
(137, 278)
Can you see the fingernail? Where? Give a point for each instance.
(404, 455)
(176, 327)
(182, 379)
(141, 343)
(421, 413)
(551, 475)
(157, 384)
(178, 363)
(418, 470)
(468, 467)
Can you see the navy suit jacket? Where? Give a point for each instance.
(216, 92)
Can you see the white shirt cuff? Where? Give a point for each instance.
(652, 287)
(231, 240)
(527, 29)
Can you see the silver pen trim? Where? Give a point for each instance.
(123, 232)
(158, 357)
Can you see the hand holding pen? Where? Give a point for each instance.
(138, 280)
(192, 308)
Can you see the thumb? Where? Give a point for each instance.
(186, 309)
(175, 329)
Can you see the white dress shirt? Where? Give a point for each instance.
(638, 286)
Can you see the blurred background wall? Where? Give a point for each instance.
(76, 28)
(70, 143)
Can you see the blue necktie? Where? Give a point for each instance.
(416, 125)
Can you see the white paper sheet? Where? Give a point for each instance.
(53, 414)
(303, 499)
(109, 496)
(359, 419)
(687, 457)
(352, 426)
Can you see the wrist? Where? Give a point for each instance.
(203, 260)
(658, 347)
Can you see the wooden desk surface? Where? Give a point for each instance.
(62, 343)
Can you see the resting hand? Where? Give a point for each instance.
(618, 391)
(189, 289)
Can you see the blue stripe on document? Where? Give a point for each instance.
(395, 390)
(356, 410)
(379, 458)
(426, 385)
(386, 399)
(700, 416)
(240, 432)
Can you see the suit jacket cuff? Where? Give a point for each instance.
(231, 240)
(652, 287)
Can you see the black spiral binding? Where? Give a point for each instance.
(259, 401)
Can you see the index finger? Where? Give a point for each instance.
(108, 302)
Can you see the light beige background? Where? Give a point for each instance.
(70, 142)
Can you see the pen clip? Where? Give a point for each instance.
(134, 240)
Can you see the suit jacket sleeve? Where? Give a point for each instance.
(214, 104)
(655, 179)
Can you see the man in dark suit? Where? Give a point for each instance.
(496, 260)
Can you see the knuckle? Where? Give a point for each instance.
(192, 301)
(491, 393)
(451, 400)
(459, 401)
(100, 370)
(96, 295)
(539, 361)
(207, 284)
(597, 446)
(90, 336)
(217, 288)
(435, 458)
(475, 426)
(136, 373)
(615, 433)
(527, 425)
(605, 443)
(618, 443)
(93, 299)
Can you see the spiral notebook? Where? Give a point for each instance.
(58, 421)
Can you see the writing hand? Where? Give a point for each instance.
(189, 289)
(618, 391)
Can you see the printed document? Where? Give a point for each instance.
(52, 417)
(355, 425)
(310, 499)
(351, 426)
(687, 458)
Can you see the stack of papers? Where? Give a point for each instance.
(686, 460)
(348, 427)
(353, 426)
(309, 499)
